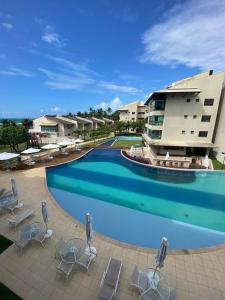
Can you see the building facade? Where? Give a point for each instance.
(133, 112)
(62, 126)
(187, 118)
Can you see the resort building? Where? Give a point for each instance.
(133, 112)
(62, 126)
(187, 118)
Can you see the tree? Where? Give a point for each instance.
(27, 123)
(6, 122)
(115, 116)
(13, 135)
(120, 126)
(109, 110)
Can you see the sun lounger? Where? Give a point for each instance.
(65, 268)
(85, 259)
(40, 237)
(23, 241)
(17, 219)
(110, 279)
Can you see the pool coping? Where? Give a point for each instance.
(119, 243)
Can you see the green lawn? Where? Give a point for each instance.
(218, 165)
(7, 148)
(128, 144)
(6, 293)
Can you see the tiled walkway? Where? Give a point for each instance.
(32, 275)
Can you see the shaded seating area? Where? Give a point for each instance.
(110, 279)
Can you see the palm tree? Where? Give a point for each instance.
(27, 123)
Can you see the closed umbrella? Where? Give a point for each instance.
(44, 211)
(89, 234)
(206, 161)
(153, 277)
(14, 188)
(31, 151)
(167, 155)
(89, 230)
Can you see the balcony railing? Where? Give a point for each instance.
(157, 105)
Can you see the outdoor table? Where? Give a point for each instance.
(157, 285)
(72, 250)
(31, 230)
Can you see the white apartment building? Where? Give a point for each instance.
(133, 112)
(188, 117)
(62, 126)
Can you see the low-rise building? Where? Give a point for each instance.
(133, 112)
(188, 117)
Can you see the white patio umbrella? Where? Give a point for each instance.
(206, 161)
(31, 151)
(50, 147)
(167, 155)
(44, 211)
(65, 143)
(154, 278)
(7, 155)
(89, 234)
(78, 141)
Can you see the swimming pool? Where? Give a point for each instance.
(138, 205)
(128, 138)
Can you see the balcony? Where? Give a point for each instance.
(155, 134)
(157, 105)
(156, 120)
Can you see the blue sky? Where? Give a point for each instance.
(66, 56)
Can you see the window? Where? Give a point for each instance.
(183, 131)
(188, 100)
(133, 112)
(195, 116)
(197, 100)
(155, 134)
(185, 116)
(157, 105)
(205, 118)
(208, 102)
(49, 129)
(156, 120)
(192, 132)
(173, 148)
(203, 133)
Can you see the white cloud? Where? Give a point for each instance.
(51, 37)
(13, 71)
(119, 88)
(56, 109)
(114, 104)
(7, 25)
(62, 81)
(192, 34)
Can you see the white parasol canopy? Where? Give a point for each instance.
(31, 151)
(7, 155)
(65, 143)
(50, 146)
(78, 141)
(167, 155)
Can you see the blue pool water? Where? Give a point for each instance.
(128, 138)
(138, 205)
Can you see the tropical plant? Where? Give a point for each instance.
(27, 123)
(13, 135)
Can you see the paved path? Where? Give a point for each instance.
(32, 275)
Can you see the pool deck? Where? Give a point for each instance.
(32, 274)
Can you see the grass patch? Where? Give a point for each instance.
(6, 293)
(22, 147)
(128, 144)
(217, 165)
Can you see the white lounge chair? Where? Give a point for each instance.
(17, 219)
(110, 279)
(58, 248)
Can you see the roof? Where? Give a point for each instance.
(82, 119)
(49, 124)
(65, 120)
(178, 143)
(108, 120)
(172, 90)
(97, 120)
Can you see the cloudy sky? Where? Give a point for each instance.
(66, 56)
